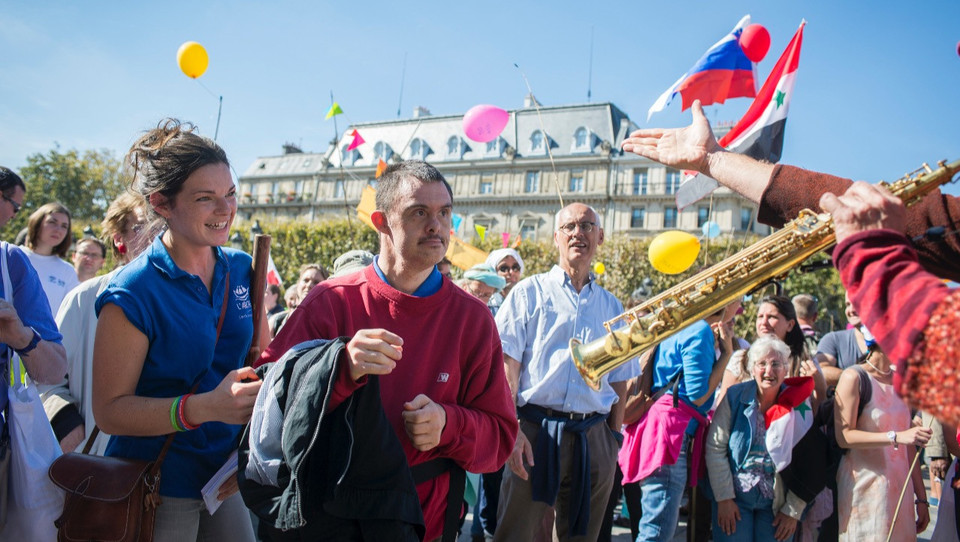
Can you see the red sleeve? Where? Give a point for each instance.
(905, 308)
(792, 189)
(482, 428)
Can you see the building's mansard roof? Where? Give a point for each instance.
(570, 130)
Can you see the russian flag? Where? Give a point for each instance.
(759, 133)
(724, 71)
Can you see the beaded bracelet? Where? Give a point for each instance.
(182, 415)
(174, 407)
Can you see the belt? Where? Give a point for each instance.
(551, 413)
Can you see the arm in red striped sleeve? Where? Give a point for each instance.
(906, 309)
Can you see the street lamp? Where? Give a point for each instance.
(255, 230)
(88, 231)
(236, 240)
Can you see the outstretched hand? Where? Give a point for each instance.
(681, 148)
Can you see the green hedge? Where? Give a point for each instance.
(625, 260)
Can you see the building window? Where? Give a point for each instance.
(639, 182)
(703, 215)
(670, 217)
(576, 181)
(338, 189)
(349, 157)
(638, 215)
(486, 184)
(537, 143)
(275, 190)
(382, 151)
(495, 147)
(456, 147)
(419, 149)
(532, 182)
(528, 231)
(746, 217)
(673, 182)
(582, 140)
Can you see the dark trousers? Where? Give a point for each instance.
(606, 530)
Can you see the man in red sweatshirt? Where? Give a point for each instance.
(435, 348)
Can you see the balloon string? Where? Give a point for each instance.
(546, 138)
(204, 87)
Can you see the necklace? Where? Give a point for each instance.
(877, 369)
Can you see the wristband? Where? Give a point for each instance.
(921, 501)
(174, 406)
(34, 341)
(182, 415)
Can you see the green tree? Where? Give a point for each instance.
(84, 182)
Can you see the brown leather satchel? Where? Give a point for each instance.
(107, 498)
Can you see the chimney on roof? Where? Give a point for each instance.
(290, 148)
(530, 101)
(420, 111)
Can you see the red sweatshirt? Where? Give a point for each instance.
(792, 189)
(451, 353)
(911, 312)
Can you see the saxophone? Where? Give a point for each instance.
(645, 325)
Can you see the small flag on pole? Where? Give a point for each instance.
(357, 141)
(481, 231)
(333, 111)
(505, 236)
(381, 167)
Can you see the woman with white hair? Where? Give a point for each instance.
(509, 265)
(750, 500)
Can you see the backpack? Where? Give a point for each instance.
(825, 414)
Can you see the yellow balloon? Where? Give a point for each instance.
(599, 268)
(192, 59)
(673, 252)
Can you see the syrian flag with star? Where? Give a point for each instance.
(789, 419)
(759, 133)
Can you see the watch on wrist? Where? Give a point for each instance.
(892, 436)
(34, 341)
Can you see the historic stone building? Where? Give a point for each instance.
(512, 184)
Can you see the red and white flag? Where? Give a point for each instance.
(789, 419)
(760, 132)
(273, 275)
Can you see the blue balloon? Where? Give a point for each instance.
(710, 229)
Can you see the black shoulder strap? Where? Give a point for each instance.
(866, 389)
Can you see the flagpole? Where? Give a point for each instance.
(336, 139)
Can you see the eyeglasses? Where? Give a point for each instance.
(508, 268)
(571, 227)
(776, 365)
(15, 205)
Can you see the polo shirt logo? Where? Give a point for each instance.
(443, 377)
(242, 295)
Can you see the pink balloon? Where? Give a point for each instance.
(958, 47)
(755, 42)
(484, 123)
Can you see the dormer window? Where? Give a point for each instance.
(419, 149)
(494, 149)
(583, 140)
(349, 157)
(456, 147)
(537, 143)
(382, 151)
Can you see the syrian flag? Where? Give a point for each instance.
(273, 276)
(760, 132)
(789, 419)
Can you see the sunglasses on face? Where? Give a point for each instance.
(15, 205)
(507, 268)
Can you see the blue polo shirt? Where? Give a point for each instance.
(31, 305)
(179, 318)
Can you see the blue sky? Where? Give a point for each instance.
(876, 93)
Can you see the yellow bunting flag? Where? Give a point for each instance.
(381, 167)
(463, 254)
(333, 111)
(481, 231)
(368, 204)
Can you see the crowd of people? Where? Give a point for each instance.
(391, 398)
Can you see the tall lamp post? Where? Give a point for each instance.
(88, 231)
(236, 240)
